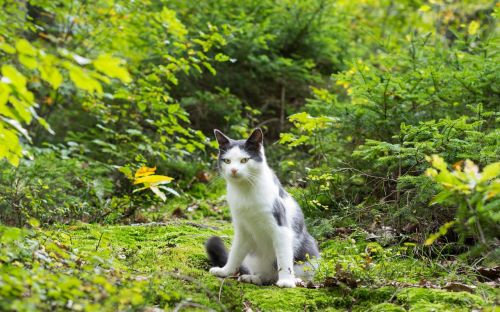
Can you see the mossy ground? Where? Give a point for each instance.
(172, 253)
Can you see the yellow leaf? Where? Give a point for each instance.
(144, 171)
(153, 179)
(473, 27)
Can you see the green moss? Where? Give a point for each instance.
(299, 299)
(428, 299)
(434, 307)
(165, 266)
(386, 307)
(374, 294)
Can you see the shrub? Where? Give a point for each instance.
(53, 190)
(476, 196)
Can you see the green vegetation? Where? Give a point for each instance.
(86, 267)
(381, 118)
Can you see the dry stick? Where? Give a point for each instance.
(282, 108)
(99, 242)
(192, 280)
(220, 288)
(267, 121)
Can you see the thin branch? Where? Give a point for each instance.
(99, 242)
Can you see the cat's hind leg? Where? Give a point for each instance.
(260, 270)
(251, 279)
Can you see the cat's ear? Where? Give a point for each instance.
(256, 138)
(222, 139)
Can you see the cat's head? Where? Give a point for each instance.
(240, 160)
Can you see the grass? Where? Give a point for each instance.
(164, 266)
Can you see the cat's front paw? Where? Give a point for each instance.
(286, 282)
(220, 272)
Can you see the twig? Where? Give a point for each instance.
(99, 242)
(220, 288)
(365, 174)
(192, 280)
(267, 121)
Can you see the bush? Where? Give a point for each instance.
(476, 196)
(53, 190)
(361, 143)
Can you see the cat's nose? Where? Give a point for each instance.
(234, 170)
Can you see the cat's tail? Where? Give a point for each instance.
(216, 251)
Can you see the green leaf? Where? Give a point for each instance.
(17, 125)
(112, 67)
(14, 76)
(490, 172)
(7, 48)
(174, 26)
(52, 75)
(34, 223)
(82, 79)
(10, 234)
(4, 97)
(442, 196)
(24, 47)
(438, 162)
(209, 67)
(28, 61)
(46, 125)
(220, 57)
(493, 190)
(442, 231)
(21, 108)
(10, 147)
(126, 171)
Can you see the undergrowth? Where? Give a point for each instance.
(85, 267)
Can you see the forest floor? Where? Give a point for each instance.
(355, 275)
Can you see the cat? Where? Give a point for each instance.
(271, 243)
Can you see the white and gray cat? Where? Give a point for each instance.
(271, 243)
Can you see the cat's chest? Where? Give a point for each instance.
(260, 199)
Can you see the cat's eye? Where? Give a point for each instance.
(227, 161)
(244, 160)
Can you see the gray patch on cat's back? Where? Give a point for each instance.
(298, 222)
(281, 190)
(307, 249)
(279, 213)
